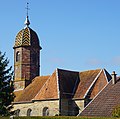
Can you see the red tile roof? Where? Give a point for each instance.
(30, 92)
(49, 89)
(86, 79)
(104, 102)
(17, 95)
(64, 84)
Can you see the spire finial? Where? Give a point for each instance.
(27, 22)
(27, 8)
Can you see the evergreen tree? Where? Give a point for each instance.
(6, 86)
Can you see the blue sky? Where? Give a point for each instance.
(74, 34)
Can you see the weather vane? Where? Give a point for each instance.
(27, 8)
(27, 22)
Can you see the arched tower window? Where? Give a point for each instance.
(29, 112)
(45, 111)
(17, 56)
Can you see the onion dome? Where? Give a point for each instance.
(26, 37)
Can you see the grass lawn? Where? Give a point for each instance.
(61, 117)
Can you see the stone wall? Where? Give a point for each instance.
(64, 107)
(68, 108)
(71, 107)
(37, 108)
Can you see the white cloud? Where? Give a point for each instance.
(115, 60)
(94, 62)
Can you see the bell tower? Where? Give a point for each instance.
(26, 56)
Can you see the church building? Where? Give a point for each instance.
(61, 93)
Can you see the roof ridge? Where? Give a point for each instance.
(78, 71)
(66, 70)
(91, 70)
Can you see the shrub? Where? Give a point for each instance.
(116, 111)
(6, 86)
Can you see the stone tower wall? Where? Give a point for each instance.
(27, 68)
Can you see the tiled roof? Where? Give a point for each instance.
(49, 89)
(78, 85)
(65, 84)
(104, 102)
(30, 92)
(26, 37)
(17, 95)
(86, 79)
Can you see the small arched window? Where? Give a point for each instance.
(29, 112)
(17, 56)
(17, 112)
(45, 111)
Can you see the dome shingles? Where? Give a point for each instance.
(26, 37)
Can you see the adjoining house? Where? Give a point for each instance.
(105, 102)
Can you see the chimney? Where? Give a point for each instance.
(113, 77)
